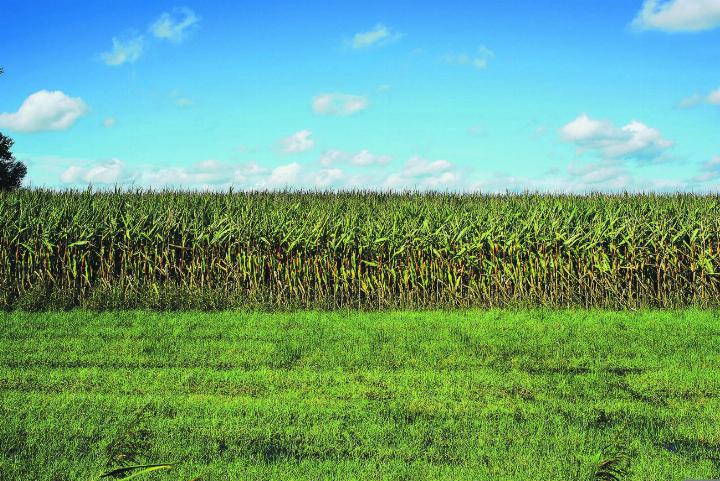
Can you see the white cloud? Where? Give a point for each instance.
(604, 176)
(45, 110)
(445, 179)
(584, 128)
(379, 35)
(123, 51)
(174, 27)
(417, 166)
(179, 99)
(284, 175)
(599, 172)
(417, 173)
(206, 175)
(478, 60)
(714, 97)
(327, 177)
(331, 157)
(678, 15)
(501, 183)
(110, 172)
(109, 122)
(363, 158)
(206, 172)
(634, 140)
(297, 142)
(339, 104)
(710, 170)
(691, 101)
(423, 173)
(607, 176)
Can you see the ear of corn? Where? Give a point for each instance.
(356, 249)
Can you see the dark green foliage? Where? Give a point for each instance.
(12, 171)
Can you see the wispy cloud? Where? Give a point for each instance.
(124, 51)
(678, 15)
(594, 177)
(109, 172)
(339, 104)
(421, 173)
(332, 157)
(327, 177)
(45, 110)
(179, 99)
(363, 158)
(284, 175)
(379, 35)
(709, 170)
(174, 26)
(610, 175)
(204, 173)
(691, 101)
(479, 59)
(712, 98)
(297, 142)
(593, 173)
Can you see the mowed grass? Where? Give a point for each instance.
(475, 395)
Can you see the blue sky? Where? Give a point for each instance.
(543, 95)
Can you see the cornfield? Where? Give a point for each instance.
(372, 250)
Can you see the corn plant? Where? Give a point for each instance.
(372, 250)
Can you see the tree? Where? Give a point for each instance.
(12, 171)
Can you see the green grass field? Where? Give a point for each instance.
(537, 395)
